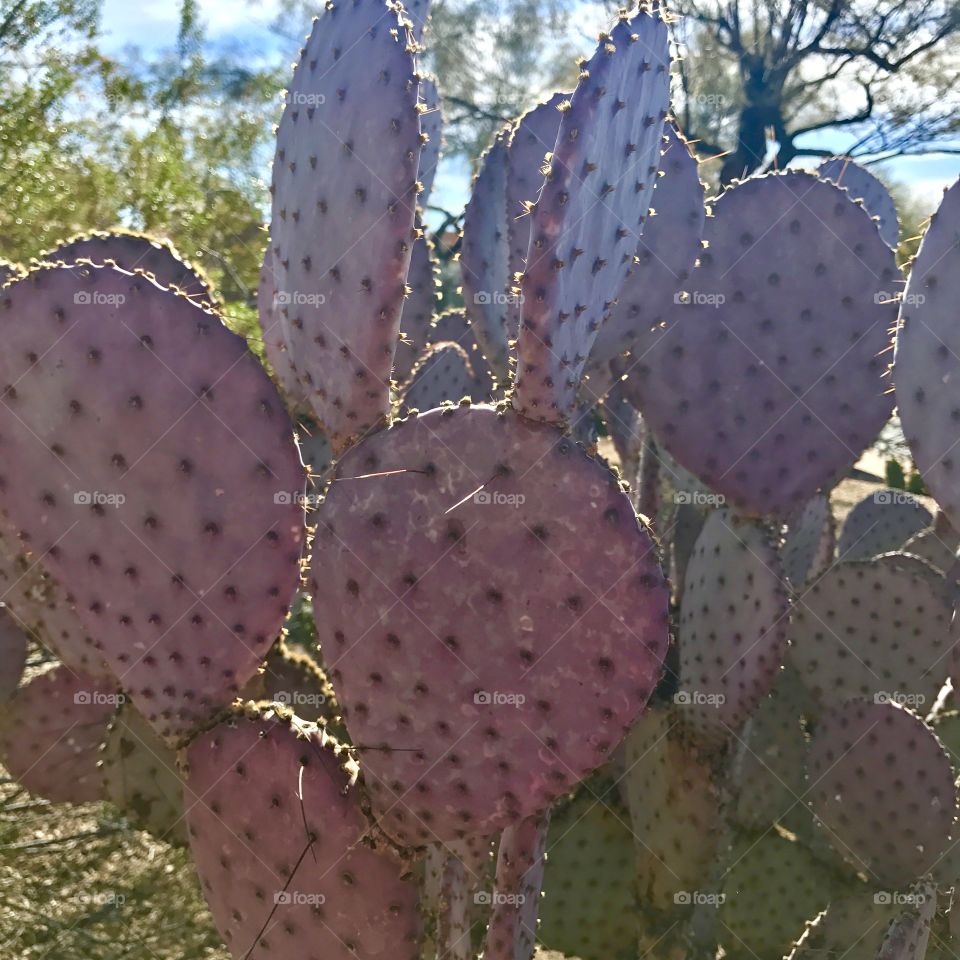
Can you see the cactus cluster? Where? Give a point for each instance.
(382, 636)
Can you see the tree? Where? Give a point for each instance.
(781, 68)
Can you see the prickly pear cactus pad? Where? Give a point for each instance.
(928, 545)
(168, 506)
(484, 266)
(133, 252)
(589, 904)
(733, 624)
(284, 851)
(141, 778)
(417, 316)
(431, 123)
(453, 326)
(675, 812)
(533, 136)
(875, 629)
(768, 384)
(809, 542)
(882, 786)
(880, 523)
(587, 222)
(492, 614)
(669, 245)
(512, 930)
(772, 887)
(344, 200)
(861, 184)
(51, 731)
(927, 343)
(444, 374)
(13, 655)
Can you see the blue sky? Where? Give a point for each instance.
(152, 25)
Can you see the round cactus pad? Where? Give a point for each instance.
(768, 381)
(876, 629)
(492, 614)
(283, 848)
(161, 449)
(133, 252)
(882, 786)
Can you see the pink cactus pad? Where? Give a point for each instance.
(152, 466)
(344, 201)
(492, 613)
(587, 222)
(284, 850)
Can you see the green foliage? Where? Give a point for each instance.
(894, 475)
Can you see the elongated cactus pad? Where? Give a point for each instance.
(809, 543)
(13, 654)
(861, 184)
(284, 851)
(444, 374)
(141, 778)
(417, 316)
(512, 930)
(344, 200)
(928, 340)
(431, 123)
(587, 221)
(464, 554)
(668, 247)
(880, 523)
(163, 450)
(484, 256)
(768, 383)
(882, 786)
(533, 137)
(875, 629)
(39, 607)
(132, 252)
(675, 813)
(733, 625)
(589, 904)
(51, 731)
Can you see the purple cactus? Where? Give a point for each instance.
(586, 223)
(459, 545)
(340, 291)
(168, 505)
(285, 853)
